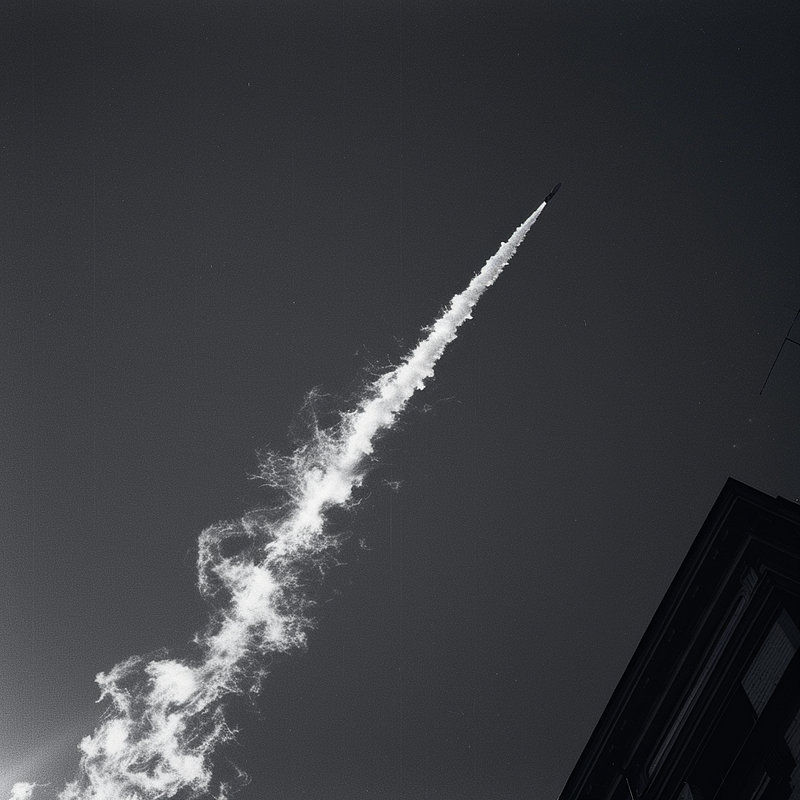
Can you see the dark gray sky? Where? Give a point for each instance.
(210, 208)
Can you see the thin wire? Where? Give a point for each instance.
(780, 350)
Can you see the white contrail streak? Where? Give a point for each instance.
(165, 716)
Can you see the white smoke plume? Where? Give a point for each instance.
(22, 791)
(165, 716)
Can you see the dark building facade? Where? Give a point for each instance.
(709, 706)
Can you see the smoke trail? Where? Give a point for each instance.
(165, 716)
(22, 791)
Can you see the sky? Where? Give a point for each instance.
(210, 209)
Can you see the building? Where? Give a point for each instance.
(709, 706)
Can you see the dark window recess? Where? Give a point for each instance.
(720, 751)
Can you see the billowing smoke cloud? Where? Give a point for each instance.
(22, 791)
(165, 716)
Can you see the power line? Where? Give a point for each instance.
(780, 350)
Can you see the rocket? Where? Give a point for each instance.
(552, 192)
